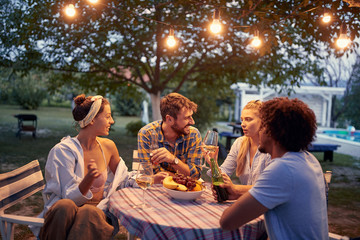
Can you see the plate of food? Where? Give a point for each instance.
(183, 188)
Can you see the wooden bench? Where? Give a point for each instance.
(229, 137)
(327, 148)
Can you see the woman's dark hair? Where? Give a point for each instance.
(83, 105)
(289, 122)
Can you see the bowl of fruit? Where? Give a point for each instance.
(183, 188)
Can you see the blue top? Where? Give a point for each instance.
(293, 189)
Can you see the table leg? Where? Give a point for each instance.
(328, 155)
(228, 143)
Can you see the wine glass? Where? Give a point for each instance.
(153, 144)
(209, 144)
(144, 178)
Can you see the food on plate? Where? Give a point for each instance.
(168, 182)
(181, 183)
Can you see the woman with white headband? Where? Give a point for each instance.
(81, 172)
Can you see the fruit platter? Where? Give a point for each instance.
(183, 188)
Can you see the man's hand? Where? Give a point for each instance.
(161, 155)
(159, 177)
(234, 191)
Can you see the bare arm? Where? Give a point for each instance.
(115, 157)
(245, 209)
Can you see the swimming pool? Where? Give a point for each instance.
(343, 134)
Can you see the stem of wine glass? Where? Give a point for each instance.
(143, 198)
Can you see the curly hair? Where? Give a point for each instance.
(172, 103)
(83, 105)
(289, 122)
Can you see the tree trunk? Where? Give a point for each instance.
(155, 104)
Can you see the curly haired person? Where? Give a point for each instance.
(291, 190)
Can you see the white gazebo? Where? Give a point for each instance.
(318, 98)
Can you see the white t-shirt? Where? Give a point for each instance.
(293, 189)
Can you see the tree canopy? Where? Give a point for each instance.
(121, 44)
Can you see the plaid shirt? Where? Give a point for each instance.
(187, 148)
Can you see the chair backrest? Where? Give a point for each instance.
(135, 163)
(20, 184)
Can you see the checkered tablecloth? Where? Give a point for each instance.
(176, 219)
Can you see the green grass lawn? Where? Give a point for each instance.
(53, 124)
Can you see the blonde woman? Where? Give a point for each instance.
(244, 157)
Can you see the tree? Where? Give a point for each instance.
(352, 111)
(120, 44)
(340, 72)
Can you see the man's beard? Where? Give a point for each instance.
(178, 130)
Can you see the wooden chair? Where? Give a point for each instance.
(135, 163)
(327, 176)
(26, 123)
(14, 187)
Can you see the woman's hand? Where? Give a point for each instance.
(159, 177)
(207, 155)
(93, 172)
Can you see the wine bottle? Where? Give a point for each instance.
(217, 179)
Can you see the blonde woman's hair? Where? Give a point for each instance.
(245, 144)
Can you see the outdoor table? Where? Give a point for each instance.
(236, 128)
(177, 219)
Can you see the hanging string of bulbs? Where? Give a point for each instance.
(215, 27)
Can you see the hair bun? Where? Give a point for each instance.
(79, 99)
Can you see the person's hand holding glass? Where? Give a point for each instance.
(144, 179)
(209, 146)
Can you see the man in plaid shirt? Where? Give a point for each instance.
(172, 144)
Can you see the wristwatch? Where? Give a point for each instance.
(176, 160)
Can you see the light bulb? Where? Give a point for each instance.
(256, 42)
(326, 18)
(215, 27)
(70, 10)
(343, 41)
(170, 41)
(93, 1)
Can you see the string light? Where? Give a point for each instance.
(343, 41)
(170, 41)
(326, 17)
(215, 26)
(256, 41)
(70, 10)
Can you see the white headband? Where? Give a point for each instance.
(94, 109)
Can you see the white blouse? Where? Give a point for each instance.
(250, 174)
